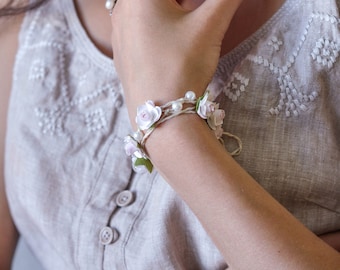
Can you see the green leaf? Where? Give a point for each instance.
(144, 162)
(198, 102)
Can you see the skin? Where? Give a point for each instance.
(231, 187)
(243, 220)
(9, 235)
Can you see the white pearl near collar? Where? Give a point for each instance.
(109, 4)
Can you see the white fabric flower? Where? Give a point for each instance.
(147, 115)
(216, 119)
(205, 106)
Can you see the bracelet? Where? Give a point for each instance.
(149, 116)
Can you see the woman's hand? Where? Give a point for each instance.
(161, 50)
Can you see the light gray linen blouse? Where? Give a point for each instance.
(72, 192)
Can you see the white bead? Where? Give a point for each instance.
(109, 4)
(138, 136)
(177, 106)
(190, 95)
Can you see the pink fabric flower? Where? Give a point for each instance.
(140, 161)
(207, 109)
(147, 115)
(131, 147)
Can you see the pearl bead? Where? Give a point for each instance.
(109, 4)
(177, 106)
(190, 95)
(138, 136)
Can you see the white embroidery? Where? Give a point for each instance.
(325, 17)
(83, 68)
(326, 52)
(275, 43)
(50, 121)
(95, 94)
(95, 120)
(236, 86)
(293, 101)
(38, 70)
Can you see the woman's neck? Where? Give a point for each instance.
(250, 16)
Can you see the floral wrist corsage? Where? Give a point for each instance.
(149, 116)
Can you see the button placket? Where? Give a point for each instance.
(108, 236)
(124, 198)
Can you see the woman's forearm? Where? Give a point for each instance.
(244, 221)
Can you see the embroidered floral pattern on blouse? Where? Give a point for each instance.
(52, 120)
(83, 68)
(236, 86)
(95, 120)
(326, 52)
(38, 70)
(292, 100)
(275, 43)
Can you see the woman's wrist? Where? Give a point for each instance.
(186, 139)
(150, 116)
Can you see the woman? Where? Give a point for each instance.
(71, 190)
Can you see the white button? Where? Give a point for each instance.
(108, 235)
(124, 198)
